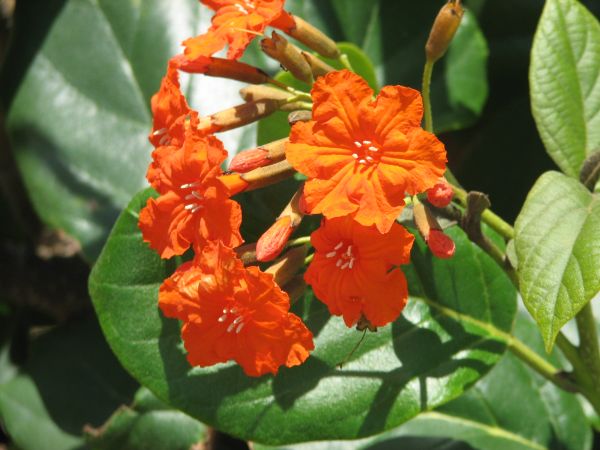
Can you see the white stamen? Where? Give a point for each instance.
(351, 263)
(239, 328)
(349, 251)
(196, 208)
(358, 144)
(362, 161)
(230, 327)
(233, 310)
(189, 185)
(369, 159)
(337, 247)
(225, 311)
(223, 318)
(190, 206)
(164, 140)
(330, 255)
(241, 9)
(338, 263)
(237, 320)
(355, 155)
(367, 142)
(159, 132)
(373, 149)
(346, 264)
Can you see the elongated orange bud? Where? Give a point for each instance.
(444, 27)
(223, 68)
(314, 38)
(257, 178)
(278, 48)
(260, 92)
(234, 183)
(272, 242)
(440, 195)
(440, 244)
(249, 159)
(285, 269)
(318, 66)
(238, 116)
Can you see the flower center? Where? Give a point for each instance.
(345, 256)
(193, 199)
(366, 153)
(236, 320)
(245, 9)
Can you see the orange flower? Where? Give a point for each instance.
(351, 274)
(234, 313)
(363, 156)
(170, 111)
(194, 206)
(236, 22)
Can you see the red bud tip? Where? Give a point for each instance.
(440, 195)
(272, 242)
(440, 245)
(248, 160)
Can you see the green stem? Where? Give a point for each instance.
(309, 258)
(522, 351)
(494, 221)
(588, 343)
(427, 71)
(581, 372)
(299, 241)
(344, 61)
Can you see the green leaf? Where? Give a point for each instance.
(529, 413)
(71, 380)
(558, 250)
(148, 424)
(466, 74)
(564, 74)
(80, 115)
(455, 315)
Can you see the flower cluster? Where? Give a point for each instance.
(364, 156)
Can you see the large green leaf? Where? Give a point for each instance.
(147, 425)
(454, 317)
(565, 88)
(79, 110)
(528, 413)
(557, 244)
(71, 380)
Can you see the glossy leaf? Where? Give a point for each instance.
(558, 251)
(71, 380)
(564, 74)
(80, 115)
(147, 425)
(386, 382)
(527, 413)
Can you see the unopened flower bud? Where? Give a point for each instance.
(440, 195)
(238, 116)
(318, 66)
(260, 92)
(249, 159)
(440, 244)
(314, 38)
(278, 48)
(287, 267)
(257, 178)
(272, 242)
(247, 253)
(444, 27)
(222, 68)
